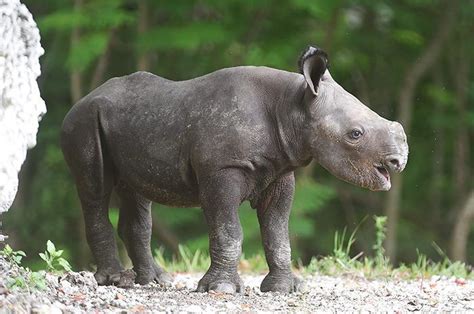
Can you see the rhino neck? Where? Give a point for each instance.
(291, 124)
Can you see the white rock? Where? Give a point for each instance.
(193, 309)
(46, 309)
(21, 106)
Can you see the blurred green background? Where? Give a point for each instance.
(409, 60)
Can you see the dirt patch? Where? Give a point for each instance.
(78, 292)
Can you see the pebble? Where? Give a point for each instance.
(79, 293)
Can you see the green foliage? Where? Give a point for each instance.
(53, 259)
(95, 20)
(371, 46)
(188, 37)
(63, 20)
(342, 248)
(380, 233)
(341, 255)
(253, 264)
(12, 256)
(87, 50)
(26, 279)
(424, 267)
(99, 14)
(408, 37)
(318, 9)
(187, 261)
(341, 262)
(309, 197)
(199, 261)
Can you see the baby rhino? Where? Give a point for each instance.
(216, 141)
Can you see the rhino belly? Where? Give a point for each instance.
(150, 155)
(158, 180)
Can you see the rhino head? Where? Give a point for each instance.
(346, 137)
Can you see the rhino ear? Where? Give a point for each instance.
(312, 63)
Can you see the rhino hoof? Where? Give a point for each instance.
(108, 277)
(220, 283)
(156, 274)
(283, 283)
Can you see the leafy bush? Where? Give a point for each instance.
(14, 257)
(26, 279)
(53, 259)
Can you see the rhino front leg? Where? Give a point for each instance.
(220, 198)
(273, 212)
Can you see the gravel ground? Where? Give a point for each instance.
(78, 292)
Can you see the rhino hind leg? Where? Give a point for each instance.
(93, 174)
(135, 227)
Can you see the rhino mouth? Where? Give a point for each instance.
(383, 173)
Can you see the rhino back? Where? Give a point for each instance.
(163, 134)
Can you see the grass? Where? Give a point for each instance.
(378, 266)
(199, 261)
(340, 262)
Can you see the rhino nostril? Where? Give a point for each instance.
(394, 163)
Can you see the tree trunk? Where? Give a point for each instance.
(101, 67)
(461, 169)
(143, 62)
(75, 75)
(461, 152)
(76, 95)
(331, 29)
(160, 229)
(462, 228)
(405, 103)
(439, 141)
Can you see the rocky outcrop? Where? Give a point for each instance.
(21, 106)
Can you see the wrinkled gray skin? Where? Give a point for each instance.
(215, 141)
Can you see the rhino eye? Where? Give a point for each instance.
(355, 134)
